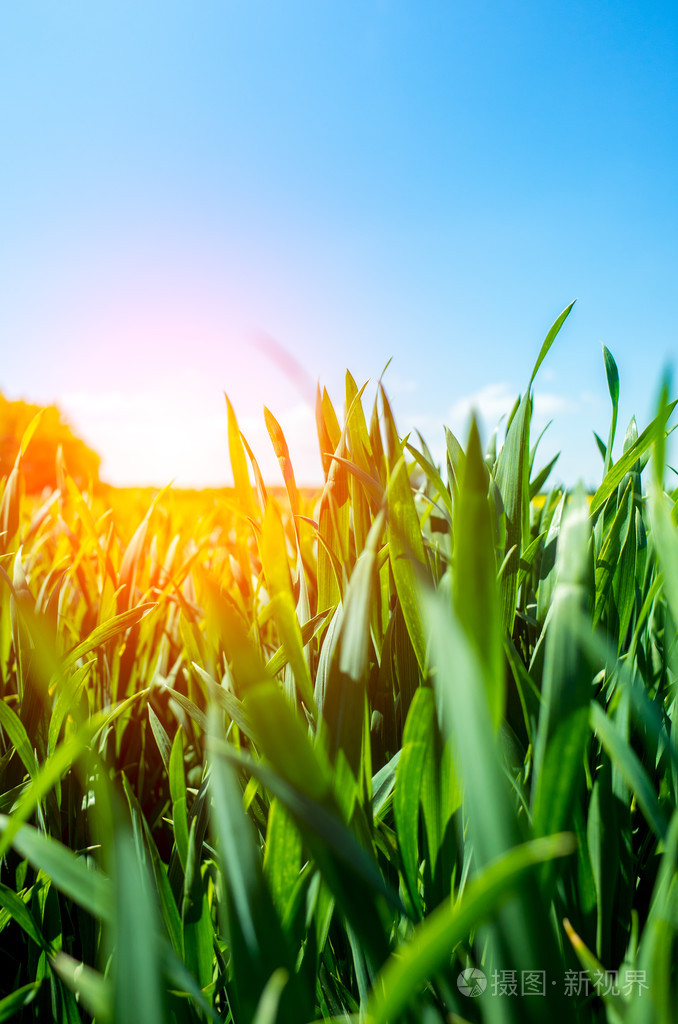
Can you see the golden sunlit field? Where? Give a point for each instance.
(397, 750)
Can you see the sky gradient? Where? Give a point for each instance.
(187, 189)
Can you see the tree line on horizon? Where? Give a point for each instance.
(39, 462)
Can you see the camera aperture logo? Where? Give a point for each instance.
(472, 982)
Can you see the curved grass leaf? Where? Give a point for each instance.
(628, 764)
(17, 909)
(628, 460)
(241, 480)
(409, 773)
(549, 339)
(72, 875)
(92, 990)
(18, 736)
(106, 631)
(257, 942)
(434, 940)
(16, 1001)
(474, 581)
(137, 965)
(407, 555)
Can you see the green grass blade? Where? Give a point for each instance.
(383, 784)
(344, 698)
(665, 541)
(407, 555)
(177, 785)
(167, 904)
(628, 763)
(627, 462)
(521, 935)
(258, 946)
(608, 562)
(566, 680)
(106, 631)
(92, 990)
(282, 857)
(72, 875)
(549, 339)
(18, 736)
(474, 587)
(429, 949)
(22, 914)
(137, 971)
(18, 1000)
(267, 1007)
(612, 375)
(48, 776)
(161, 737)
(416, 737)
(512, 479)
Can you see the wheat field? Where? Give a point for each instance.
(401, 750)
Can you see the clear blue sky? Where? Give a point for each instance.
(432, 181)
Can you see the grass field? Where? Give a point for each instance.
(399, 751)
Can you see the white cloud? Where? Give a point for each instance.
(490, 404)
(398, 385)
(547, 405)
(590, 398)
(494, 402)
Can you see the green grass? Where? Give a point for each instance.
(265, 758)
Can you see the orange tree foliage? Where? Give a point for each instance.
(39, 461)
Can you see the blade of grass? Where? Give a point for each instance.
(434, 940)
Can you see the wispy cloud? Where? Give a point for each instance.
(490, 404)
(396, 384)
(494, 402)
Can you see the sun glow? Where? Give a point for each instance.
(182, 435)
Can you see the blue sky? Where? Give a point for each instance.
(428, 181)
